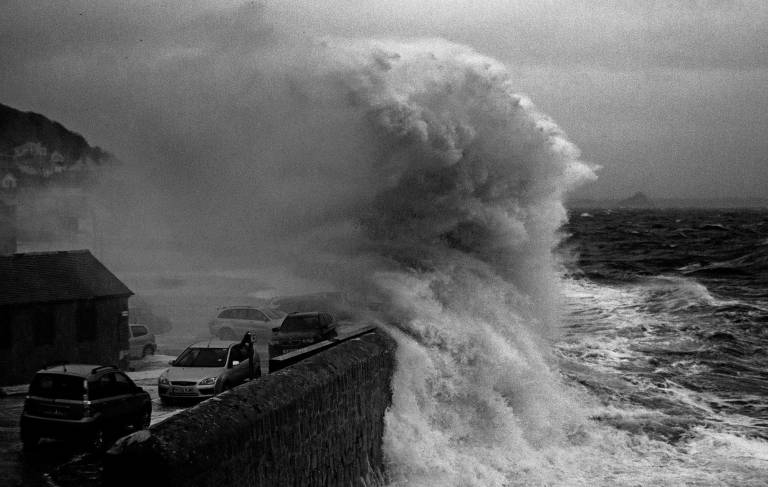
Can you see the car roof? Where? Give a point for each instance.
(213, 343)
(80, 370)
(301, 314)
(250, 306)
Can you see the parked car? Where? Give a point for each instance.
(140, 341)
(232, 322)
(333, 302)
(140, 311)
(300, 330)
(94, 403)
(205, 369)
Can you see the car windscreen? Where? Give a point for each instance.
(202, 357)
(57, 386)
(300, 323)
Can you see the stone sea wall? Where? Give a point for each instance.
(318, 422)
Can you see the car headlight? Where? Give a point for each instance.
(163, 380)
(208, 381)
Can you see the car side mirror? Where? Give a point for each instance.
(235, 363)
(171, 362)
(276, 329)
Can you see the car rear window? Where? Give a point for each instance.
(58, 386)
(139, 330)
(202, 357)
(300, 323)
(255, 315)
(230, 313)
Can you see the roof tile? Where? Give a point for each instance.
(56, 276)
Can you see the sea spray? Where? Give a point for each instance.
(461, 229)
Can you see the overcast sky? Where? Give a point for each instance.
(670, 97)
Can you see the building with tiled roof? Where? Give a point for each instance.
(59, 306)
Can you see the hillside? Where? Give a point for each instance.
(19, 128)
(36, 151)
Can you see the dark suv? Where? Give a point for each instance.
(301, 330)
(333, 302)
(83, 402)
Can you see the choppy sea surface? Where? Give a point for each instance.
(666, 327)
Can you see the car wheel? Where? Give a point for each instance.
(29, 441)
(144, 420)
(227, 334)
(148, 350)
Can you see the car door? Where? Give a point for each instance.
(113, 391)
(134, 346)
(237, 365)
(128, 400)
(140, 337)
(101, 392)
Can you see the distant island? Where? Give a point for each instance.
(640, 200)
(637, 200)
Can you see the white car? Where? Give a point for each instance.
(205, 369)
(140, 342)
(233, 322)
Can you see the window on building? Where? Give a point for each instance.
(45, 326)
(86, 321)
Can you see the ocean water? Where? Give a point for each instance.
(655, 372)
(666, 327)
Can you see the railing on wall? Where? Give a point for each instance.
(281, 361)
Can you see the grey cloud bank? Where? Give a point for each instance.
(669, 97)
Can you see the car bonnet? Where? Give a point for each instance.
(193, 373)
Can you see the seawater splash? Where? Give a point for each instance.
(457, 233)
(462, 226)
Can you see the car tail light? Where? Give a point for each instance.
(86, 406)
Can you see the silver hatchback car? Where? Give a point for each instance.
(205, 369)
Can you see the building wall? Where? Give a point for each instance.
(8, 244)
(21, 357)
(318, 422)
